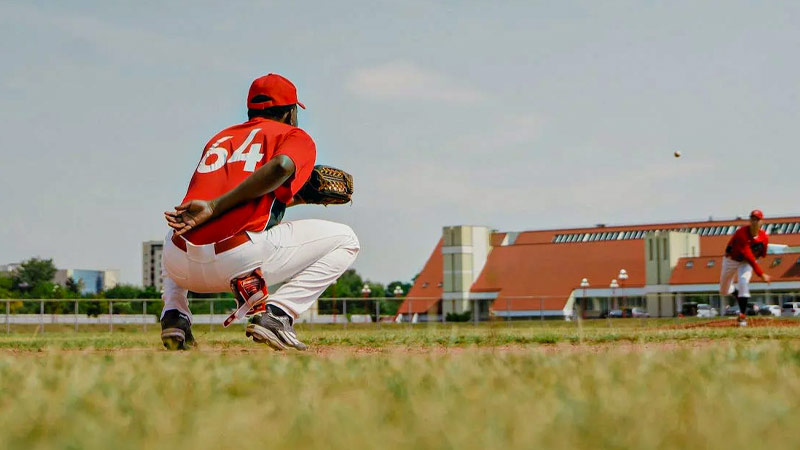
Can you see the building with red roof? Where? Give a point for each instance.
(484, 273)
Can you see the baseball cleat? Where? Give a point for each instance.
(742, 320)
(274, 329)
(176, 331)
(250, 293)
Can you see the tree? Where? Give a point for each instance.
(33, 273)
(126, 291)
(5, 286)
(390, 307)
(73, 286)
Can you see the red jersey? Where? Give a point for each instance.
(231, 156)
(744, 247)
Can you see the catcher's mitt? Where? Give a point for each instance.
(327, 186)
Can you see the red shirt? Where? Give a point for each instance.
(744, 247)
(231, 156)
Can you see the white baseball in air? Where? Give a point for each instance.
(677, 153)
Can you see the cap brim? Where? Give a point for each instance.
(301, 105)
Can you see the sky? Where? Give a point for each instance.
(515, 115)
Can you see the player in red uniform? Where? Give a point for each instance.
(747, 244)
(227, 232)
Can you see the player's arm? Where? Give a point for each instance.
(264, 180)
(751, 259)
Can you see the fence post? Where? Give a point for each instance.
(378, 313)
(344, 311)
(211, 310)
(144, 315)
(76, 315)
(541, 309)
(41, 315)
(8, 318)
(110, 316)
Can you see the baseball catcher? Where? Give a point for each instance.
(228, 232)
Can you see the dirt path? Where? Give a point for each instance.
(752, 322)
(363, 351)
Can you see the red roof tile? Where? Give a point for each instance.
(554, 270)
(427, 289)
(781, 267)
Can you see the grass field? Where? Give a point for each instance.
(618, 384)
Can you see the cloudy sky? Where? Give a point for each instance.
(517, 115)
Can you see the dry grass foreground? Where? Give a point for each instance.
(713, 389)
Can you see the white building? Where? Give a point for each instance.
(151, 264)
(93, 281)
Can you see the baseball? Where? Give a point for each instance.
(677, 154)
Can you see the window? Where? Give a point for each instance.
(731, 229)
(425, 284)
(776, 262)
(795, 227)
(689, 264)
(693, 230)
(770, 226)
(710, 263)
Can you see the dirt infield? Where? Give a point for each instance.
(757, 322)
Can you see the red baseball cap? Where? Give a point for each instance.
(757, 214)
(280, 90)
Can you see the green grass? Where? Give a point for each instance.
(629, 386)
(388, 335)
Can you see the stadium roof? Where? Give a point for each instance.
(525, 267)
(427, 289)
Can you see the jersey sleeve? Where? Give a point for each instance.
(300, 148)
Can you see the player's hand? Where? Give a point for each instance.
(766, 278)
(189, 215)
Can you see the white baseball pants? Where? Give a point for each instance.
(306, 255)
(735, 272)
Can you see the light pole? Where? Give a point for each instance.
(584, 285)
(398, 292)
(622, 276)
(365, 291)
(614, 285)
